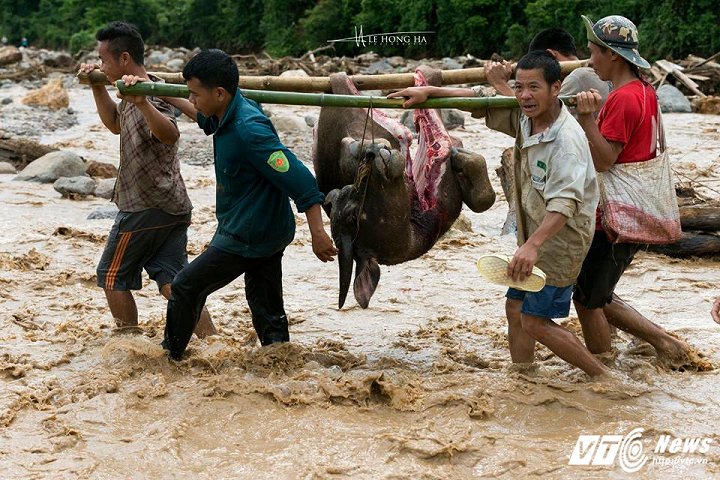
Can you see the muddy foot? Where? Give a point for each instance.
(640, 347)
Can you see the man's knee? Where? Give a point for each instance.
(533, 326)
(512, 312)
(181, 288)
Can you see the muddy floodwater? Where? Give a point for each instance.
(419, 385)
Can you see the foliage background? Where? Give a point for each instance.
(668, 28)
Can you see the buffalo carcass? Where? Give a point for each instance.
(385, 206)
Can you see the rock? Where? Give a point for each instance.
(396, 61)
(102, 213)
(311, 120)
(707, 105)
(104, 188)
(452, 118)
(6, 101)
(289, 124)
(156, 58)
(451, 64)
(101, 169)
(74, 186)
(59, 60)
(52, 166)
(672, 100)
(52, 95)
(180, 53)
(6, 167)
(294, 73)
(10, 55)
(407, 120)
(175, 65)
(367, 58)
(383, 66)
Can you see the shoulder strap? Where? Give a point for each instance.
(660, 129)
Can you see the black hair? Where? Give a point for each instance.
(541, 59)
(634, 68)
(213, 68)
(554, 39)
(123, 37)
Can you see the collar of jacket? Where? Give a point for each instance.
(547, 135)
(232, 107)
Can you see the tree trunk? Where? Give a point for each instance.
(690, 244)
(20, 152)
(700, 217)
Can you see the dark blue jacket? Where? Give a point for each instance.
(255, 174)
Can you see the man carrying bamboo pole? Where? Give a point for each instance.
(256, 176)
(150, 230)
(556, 194)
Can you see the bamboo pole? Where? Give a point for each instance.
(327, 99)
(322, 84)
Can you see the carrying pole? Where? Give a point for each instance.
(329, 100)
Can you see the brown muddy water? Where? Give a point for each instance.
(419, 385)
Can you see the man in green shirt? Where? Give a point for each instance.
(255, 174)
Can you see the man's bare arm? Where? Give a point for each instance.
(106, 106)
(183, 105)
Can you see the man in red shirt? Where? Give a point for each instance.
(625, 132)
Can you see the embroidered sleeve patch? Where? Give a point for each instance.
(279, 162)
(542, 165)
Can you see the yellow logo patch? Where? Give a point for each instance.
(279, 162)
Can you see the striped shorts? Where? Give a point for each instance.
(150, 239)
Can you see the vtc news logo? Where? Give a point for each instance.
(604, 449)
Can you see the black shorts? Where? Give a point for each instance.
(150, 239)
(602, 268)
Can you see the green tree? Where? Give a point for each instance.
(280, 26)
(329, 20)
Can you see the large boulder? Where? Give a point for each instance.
(672, 100)
(53, 95)
(52, 166)
(74, 186)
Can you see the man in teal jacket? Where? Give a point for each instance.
(255, 174)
